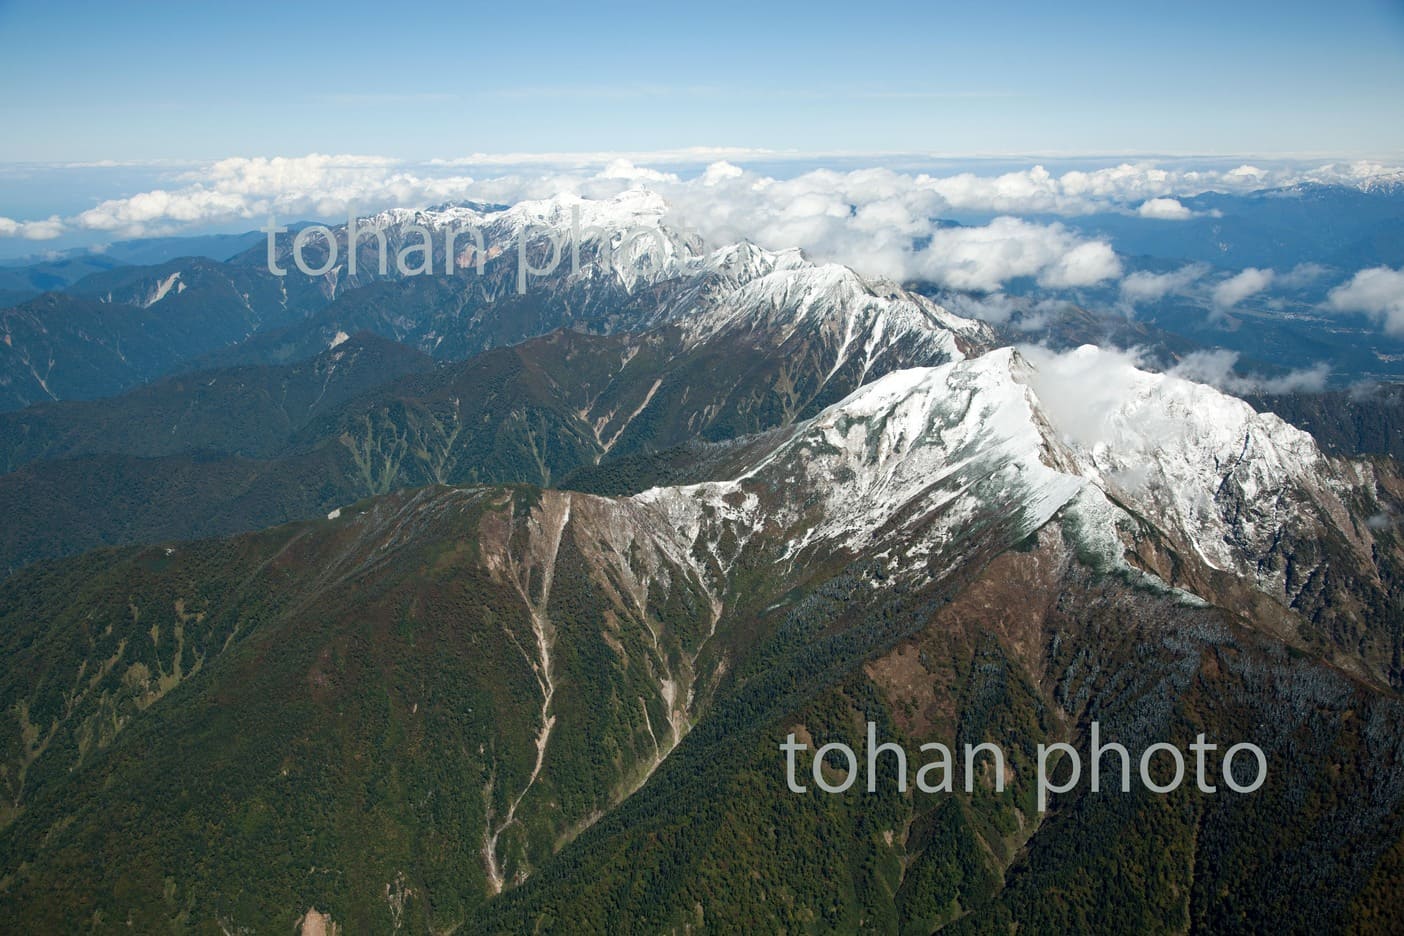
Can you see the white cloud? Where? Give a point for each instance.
(31, 230)
(1378, 292)
(1252, 174)
(1148, 287)
(160, 206)
(1036, 190)
(1022, 313)
(1217, 368)
(624, 169)
(252, 188)
(983, 258)
(1038, 315)
(1076, 192)
(1164, 209)
(1085, 391)
(1240, 286)
(877, 220)
(720, 171)
(324, 185)
(1082, 390)
(1303, 274)
(1308, 380)
(1086, 264)
(997, 308)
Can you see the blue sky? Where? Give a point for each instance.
(182, 81)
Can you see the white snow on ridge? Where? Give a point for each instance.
(962, 438)
(1023, 436)
(955, 436)
(632, 238)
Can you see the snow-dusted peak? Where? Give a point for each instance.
(1200, 461)
(743, 262)
(557, 216)
(921, 459)
(1102, 403)
(934, 447)
(811, 290)
(629, 210)
(864, 329)
(796, 291)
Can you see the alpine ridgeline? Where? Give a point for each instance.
(798, 502)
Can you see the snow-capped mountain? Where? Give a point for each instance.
(925, 464)
(625, 250)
